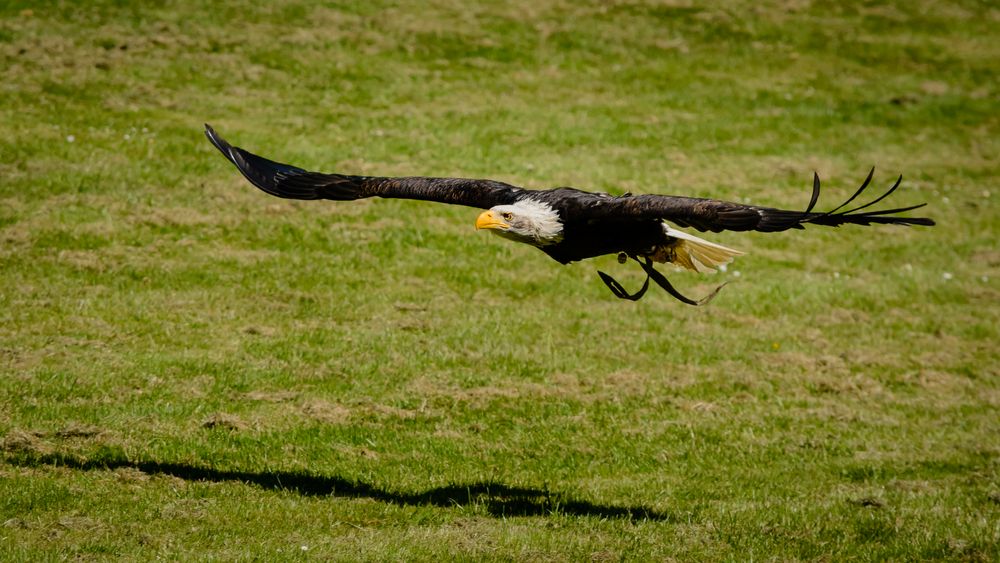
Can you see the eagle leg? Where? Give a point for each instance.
(619, 291)
(661, 281)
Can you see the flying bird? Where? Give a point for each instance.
(570, 224)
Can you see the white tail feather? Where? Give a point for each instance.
(698, 254)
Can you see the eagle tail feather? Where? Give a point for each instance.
(697, 254)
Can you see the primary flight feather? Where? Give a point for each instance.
(570, 224)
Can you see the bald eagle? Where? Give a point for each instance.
(570, 224)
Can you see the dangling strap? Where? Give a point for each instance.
(619, 291)
(661, 280)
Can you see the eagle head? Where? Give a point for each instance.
(528, 221)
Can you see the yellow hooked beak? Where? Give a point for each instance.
(489, 220)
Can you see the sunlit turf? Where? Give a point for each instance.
(194, 370)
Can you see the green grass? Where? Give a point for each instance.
(193, 370)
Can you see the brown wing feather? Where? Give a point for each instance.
(717, 215)
(283, 180)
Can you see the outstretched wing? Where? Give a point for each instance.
(717, 215)
(283, 180)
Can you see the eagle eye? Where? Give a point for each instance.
(507, 215)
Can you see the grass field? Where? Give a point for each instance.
(191, 369)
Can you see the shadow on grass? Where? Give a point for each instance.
(498, 499)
